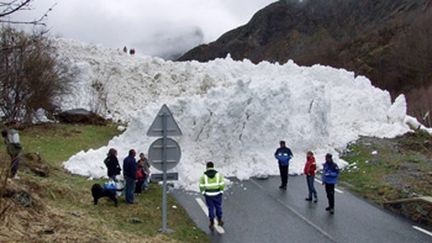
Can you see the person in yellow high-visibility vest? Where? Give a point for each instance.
(212, 186)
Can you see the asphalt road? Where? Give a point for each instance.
(258, 211)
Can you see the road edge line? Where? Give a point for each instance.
(296, 213)
(337, 190)
(201, 203)
(422, 230)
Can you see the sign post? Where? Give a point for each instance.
(164, 153)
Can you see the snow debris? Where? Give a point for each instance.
(416, 125)
(231, 112)
(121, 128)
(40, 117)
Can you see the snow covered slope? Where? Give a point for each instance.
(231, 112)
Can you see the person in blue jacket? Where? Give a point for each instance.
(283, 154)
(129, 173)
(330, 174)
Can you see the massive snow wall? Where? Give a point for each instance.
(233, 113)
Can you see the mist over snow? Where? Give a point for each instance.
(231, 112)
(163, 28)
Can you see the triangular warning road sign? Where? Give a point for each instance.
(156, 129)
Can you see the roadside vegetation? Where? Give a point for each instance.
(31, 74)
(58, 206)
(385, 170)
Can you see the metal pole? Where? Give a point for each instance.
(164, 158)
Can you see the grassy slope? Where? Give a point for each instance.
(69, 193)
(389, 169)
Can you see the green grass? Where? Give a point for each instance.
(56, 143)
(381, 177)
(401, 169)
(69, 193)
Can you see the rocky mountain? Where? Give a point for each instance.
(388, 41)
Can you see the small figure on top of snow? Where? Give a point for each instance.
(132, 51)
(309, 171)
(283, 154)
(125, 50)
(212, 186)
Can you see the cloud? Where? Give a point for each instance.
(153, 27)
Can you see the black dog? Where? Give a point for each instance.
(98, 191)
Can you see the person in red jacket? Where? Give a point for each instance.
(309, 171)
(140, 177)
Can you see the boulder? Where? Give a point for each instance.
(82, 116)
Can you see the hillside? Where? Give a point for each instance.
(387, 41)
(56, 206)
(385, 170)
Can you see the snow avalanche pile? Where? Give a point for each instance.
(231, 112)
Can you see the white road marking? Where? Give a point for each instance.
(296, 213)
(337, 190)
(422, 230)
(200, 202)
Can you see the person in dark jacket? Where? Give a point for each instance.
(112, 164)
(129, 174)
(283, 154)
(330, 174)
(309, 171)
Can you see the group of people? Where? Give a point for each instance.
(131, 51)
(330, 173)
(212, 183)
(136, 173)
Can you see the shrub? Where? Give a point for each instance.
(30, 73)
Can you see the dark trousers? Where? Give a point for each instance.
(283, 169)
(139, 186)
(311, 187)
(214, 202)
(129, 189)
(14, 166)
(330, 190)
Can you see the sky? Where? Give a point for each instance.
(164, 28)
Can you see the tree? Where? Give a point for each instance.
(415, 61)
(31, 75)
(8, 8)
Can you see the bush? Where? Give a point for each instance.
(31, 75)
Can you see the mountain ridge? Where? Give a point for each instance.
(377, 39)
